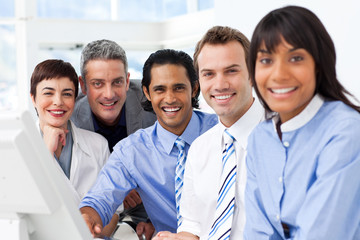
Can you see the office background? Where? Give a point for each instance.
(34, 30)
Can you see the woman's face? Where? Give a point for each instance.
(285, 78)
(54, 101)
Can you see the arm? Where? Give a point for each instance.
(175, 236)
(331, 207)
(92, 220)
(111, 186)
(257, 225)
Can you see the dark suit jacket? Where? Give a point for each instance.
(136, 116)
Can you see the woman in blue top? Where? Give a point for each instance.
(304, 161)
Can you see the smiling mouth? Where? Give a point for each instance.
(57, 112)
(282, 90)
(108, 104)
(171, 109)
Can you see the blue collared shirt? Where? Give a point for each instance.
(145, 161)
(309, 179)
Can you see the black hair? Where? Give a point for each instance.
(301, 28)
(170, 56)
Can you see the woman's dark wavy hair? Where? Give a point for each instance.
(302, 29)
(170, 56)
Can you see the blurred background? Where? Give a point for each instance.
(34, 30)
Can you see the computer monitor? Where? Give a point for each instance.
(35, 201)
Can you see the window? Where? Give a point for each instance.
(8, 94)
(80, 9)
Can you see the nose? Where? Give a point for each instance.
(108, 92)
(170, 97)
(221, 82)
(58, 101)
(280, 71)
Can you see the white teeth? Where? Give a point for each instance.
(282, 90)
(57, 112)
(171, 109)
(222, 97)
(109, 104)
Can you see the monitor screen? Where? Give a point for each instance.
(35, 201)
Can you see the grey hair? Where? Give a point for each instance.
(102, 50)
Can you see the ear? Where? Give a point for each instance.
(195, 89)
(147, 95)
(128, 81)
(32, 99)
(82, 85)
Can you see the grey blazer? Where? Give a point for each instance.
(136, 116)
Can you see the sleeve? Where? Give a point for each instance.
(331, 207)
(188, 203)
(257, 224)
(112, 185)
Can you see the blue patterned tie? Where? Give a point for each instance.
(221, 227)
(179, 174)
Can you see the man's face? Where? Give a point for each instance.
(106, 87)
(170, 94)
(224, 80)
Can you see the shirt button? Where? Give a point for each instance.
(277, 217)
(280, 179)
(286, 144)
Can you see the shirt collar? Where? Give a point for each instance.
(191, 132)
(302, 118)
(242, 128)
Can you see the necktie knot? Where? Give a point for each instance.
(180, 144)
(228, 138)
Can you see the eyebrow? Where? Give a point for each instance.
(261, 50)
(228, 67)
(53, 89)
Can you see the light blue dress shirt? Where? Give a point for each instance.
(145, 161)
(309, 180)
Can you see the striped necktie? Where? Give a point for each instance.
(221, 227)
(179, 175)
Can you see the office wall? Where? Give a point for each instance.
(341, 19)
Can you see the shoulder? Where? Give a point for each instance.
(335, 117)
(209, 136)
(207, 120)
(82, 113)
(135, 89)
(87, 136)
(140, 138)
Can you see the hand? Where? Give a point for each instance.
(110, 228)
(132, 199)
(175, 236)
(54, 137)
(92, 220)
(145, 228)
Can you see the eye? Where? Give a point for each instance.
(118, 82)
(97, 84)
(68, 94)
(296, 59)
(48, 93)
(207, 74)
(158, 90)
(265, 60)
(232, 70)
(179, 88)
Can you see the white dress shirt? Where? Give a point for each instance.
(202, 176)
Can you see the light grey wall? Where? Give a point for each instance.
(341, 19)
